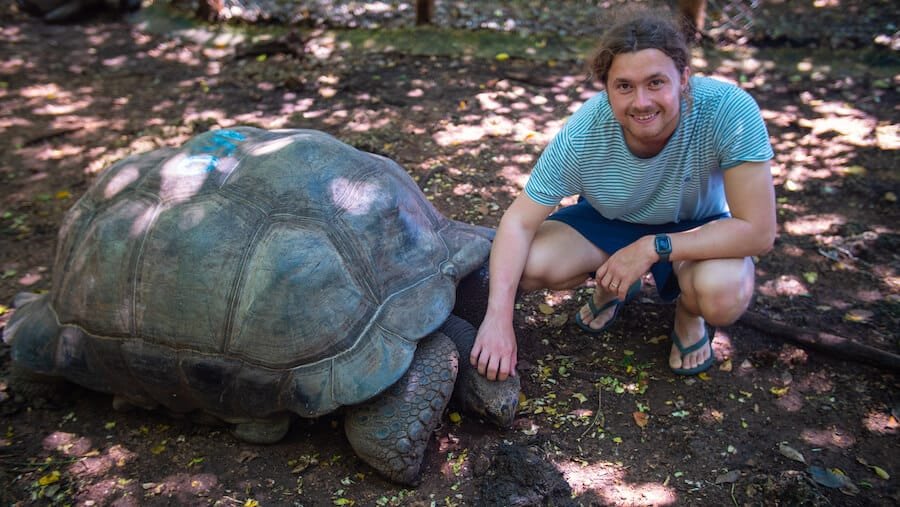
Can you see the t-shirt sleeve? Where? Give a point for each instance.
(557, 172)
(740, 134)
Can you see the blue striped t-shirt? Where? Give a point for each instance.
(589, 157)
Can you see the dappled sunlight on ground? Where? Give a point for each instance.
(881, 423)
(833, 437)
(609, 482)
(784, 286)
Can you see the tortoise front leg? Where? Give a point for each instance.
(391, 431)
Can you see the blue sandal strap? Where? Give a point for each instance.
(597, 311)
(697, 346)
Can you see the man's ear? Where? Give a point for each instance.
(685, 76)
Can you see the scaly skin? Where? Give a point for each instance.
(391, 432)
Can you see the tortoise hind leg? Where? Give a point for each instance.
(391, 431)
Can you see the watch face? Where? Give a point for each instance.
(663, 244)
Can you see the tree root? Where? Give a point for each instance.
(833, 345)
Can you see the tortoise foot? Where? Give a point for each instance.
(391, 432)
(263, 431)
(126, 404)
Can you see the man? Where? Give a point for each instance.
(673, 177)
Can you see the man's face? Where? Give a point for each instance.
(644, 91)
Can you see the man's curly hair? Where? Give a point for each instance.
(636, 28)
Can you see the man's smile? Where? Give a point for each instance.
(644, 117)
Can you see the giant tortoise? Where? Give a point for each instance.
(253, 275)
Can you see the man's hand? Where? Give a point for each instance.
(494, 352)
(625, 266)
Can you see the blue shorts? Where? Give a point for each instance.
(613, 235)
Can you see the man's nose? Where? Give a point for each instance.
(641, 97)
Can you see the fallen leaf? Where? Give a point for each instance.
(779, 391)
(880, 472)
(30, 279)
(858, 315)
(726, 365)
(502, 57)
(455, 418)
(559, 320)
(658, 339)
(790, 453)
(545, 309)
(49, 478)
(825, 477)
(580, 397)
(641, 419)
(728, 477)
(832, 478)
(195, 461)
(704, 376)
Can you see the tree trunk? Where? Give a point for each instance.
(210, 10)
(694, 14)
(424, 12)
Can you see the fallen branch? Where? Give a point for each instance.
(423, 181)
(292, 44)
(837, 346)
(599, 417)
(51, 135)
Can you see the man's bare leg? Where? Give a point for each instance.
(717, 291)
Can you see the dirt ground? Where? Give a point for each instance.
(604, 421)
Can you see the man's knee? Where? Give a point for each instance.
(723, 295)
(538, 273)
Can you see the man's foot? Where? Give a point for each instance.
(602, 309)
(692, 351)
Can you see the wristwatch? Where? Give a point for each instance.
(663, 245)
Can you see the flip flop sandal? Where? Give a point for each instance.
(633, 291)
(704, 342)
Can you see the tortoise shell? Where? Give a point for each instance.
(248, 272)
